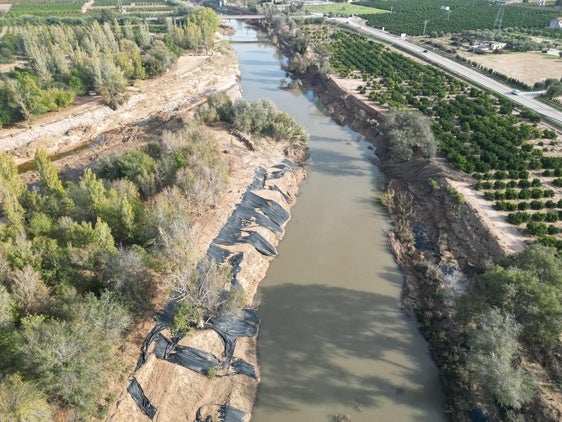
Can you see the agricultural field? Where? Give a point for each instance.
(51, 8)
(516, 162)
(129, 2)
(71, 8)
(344, 9)
(409, 16)
(528, 68)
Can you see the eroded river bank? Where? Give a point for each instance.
(334, 339)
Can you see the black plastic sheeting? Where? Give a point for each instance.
(260, 176)
(421, 240)
(234, 261)
(188, 357)
(260, 243)
(230, 329)
(217, 254)
(286, 197)
(147, 342)
(231, 414)
(244, 368)
(226, 414)
(253, 210)
(135, 390)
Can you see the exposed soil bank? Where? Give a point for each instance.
(449, 235)
(179, 393)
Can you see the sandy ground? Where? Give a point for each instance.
(175, 93)
(527, 67)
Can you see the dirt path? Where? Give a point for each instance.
(86, 6)
(89, 119)
(510, 239)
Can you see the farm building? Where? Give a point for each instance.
(488, 46)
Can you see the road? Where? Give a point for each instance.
(524, 99)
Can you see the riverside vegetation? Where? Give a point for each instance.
(65, 60)
(494, 328)
(81, 260)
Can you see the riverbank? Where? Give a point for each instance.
(79, 135)
(452, 236)
(179, 393)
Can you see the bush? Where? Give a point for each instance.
(518, 218)
(493, 346)
(21, 401)
(409, 135)
(133, 165)
(69, 355)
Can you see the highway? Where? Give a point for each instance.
(524, 99)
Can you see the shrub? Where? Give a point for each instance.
(409, 135)
(22, 401)
(493, 346)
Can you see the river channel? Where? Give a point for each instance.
(333, 338)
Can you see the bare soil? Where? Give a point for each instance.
(527, 67)
(88, 128)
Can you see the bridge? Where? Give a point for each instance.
(244, 17)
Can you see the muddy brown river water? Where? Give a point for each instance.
(333, 338)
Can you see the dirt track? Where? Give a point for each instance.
(152, 103)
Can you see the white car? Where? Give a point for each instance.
(515, 92)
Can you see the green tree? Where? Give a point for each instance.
(69, 355)
(6, 309)
(408, 134)
(493, 343)
(55, 199)
(49, 178)
(28, 290)
(21, 401)
(205, 291)
(127, 275)
(529, 286)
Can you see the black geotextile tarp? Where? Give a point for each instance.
(230, 329)
(253, 210)
(260, 176)
(199, 360)
(147, 342)
(234, 261)
(217, 254)
(226, 414)
(135, 390)
(286, 197)
(231, 414)
(244, 368)
(188, 357)
(269, 208)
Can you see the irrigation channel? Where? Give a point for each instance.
(333, 339)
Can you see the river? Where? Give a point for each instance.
(333, 338)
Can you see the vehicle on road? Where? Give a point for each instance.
(515, 92)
